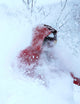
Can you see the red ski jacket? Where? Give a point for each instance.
(30, 56)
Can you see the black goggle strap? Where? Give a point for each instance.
(51, 29)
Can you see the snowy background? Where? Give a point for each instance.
(16, 22)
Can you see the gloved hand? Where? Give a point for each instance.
(75, 80)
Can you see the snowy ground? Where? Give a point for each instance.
(16, 23)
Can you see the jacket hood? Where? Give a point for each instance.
(39, 33)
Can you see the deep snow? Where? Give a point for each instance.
(16, 23)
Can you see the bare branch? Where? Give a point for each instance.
(64, 5)
(61, 12)
(28, 2)
(24, 2)
(63, 24)
(61, 3)
(32, 4)
(64, 19)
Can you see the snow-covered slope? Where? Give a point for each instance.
(16, 23)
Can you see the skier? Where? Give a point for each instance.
(30, 56)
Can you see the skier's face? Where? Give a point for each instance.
(50, 40)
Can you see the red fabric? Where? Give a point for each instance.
(75, 80)
(31, 54)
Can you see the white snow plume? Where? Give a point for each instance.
(15, 35)
(67, 60)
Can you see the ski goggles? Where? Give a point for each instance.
(52, 36)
